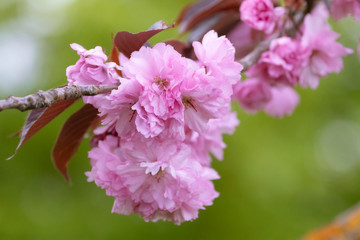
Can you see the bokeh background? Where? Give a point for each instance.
(280, 177)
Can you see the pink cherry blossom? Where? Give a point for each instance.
(91, 68)
(211, 141)
(116, 107)
(207, 94)
(282, 64)
(160, 71)
(283, 102)
(253, 94)
(217, 55)
(319, 43)
(203, 100)
(261, 14)
(157, 180)
(343, 8)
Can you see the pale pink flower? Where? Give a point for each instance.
(91, 68)
(343, 8)
(282, 64)
(156, 180)
(211, 141)
(217, 55)
(319, 43)
(283, 102)
(116, 108)
(206, 93)
(203, 100)
(160, 71)
(261, 14)
(253, 94)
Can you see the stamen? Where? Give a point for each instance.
(188, 101)
(161, 82)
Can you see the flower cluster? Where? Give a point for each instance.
(152, 153)
(303, 60)
(261, 14)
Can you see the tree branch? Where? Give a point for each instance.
(254, 56)
(43, 99)
(345, 227)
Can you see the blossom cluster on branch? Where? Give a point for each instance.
(157, 129)
(302, 59)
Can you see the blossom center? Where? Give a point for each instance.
(188, 102)
(162, 83)
(159, 175)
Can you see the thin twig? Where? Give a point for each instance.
(345, 227)
(254, 56)
(46, 98)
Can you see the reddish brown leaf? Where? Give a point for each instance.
(71, 136)
(221, 22)
(39, 118)
(95, 123)
(194, 14)
(114, 57)
(127, 42)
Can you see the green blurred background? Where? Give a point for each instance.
(280, 177)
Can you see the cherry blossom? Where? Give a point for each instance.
(91, 68)
(319, 43)
(282, 64)
(261, 14)
(253, 94)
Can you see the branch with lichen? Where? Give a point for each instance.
(254, 56)
(43, 99)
